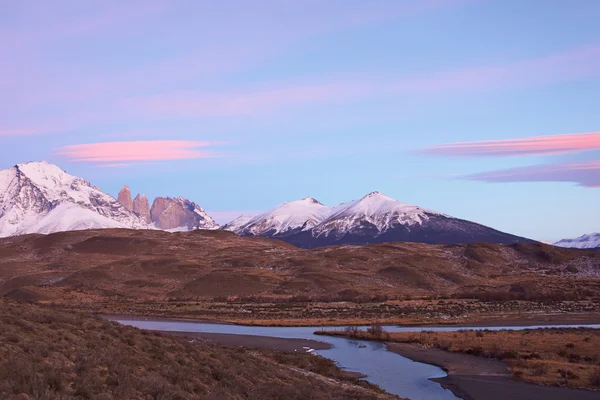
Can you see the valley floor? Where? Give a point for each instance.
(497, 365)
(413, 312)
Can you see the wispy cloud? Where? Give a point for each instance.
(537, 145)
(566, 65)
(112, 153)
(107, 91)
(119, 165)
(563, 66)
(585, 174)
(225, 104)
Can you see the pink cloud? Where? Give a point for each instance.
(113, 152)
(585, 174)
(538, 145)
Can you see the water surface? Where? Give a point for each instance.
(390, 371)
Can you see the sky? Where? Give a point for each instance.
(485, 110)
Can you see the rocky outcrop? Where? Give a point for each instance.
(180, 213)
(159, 205)
(125, 198)
(142, 208)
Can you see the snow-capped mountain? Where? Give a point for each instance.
(589, 241)
(375, 212)
(285, 219)
(375, 218)
(38, 197)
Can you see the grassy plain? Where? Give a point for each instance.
(558, 356)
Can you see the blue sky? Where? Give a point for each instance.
(240, 106)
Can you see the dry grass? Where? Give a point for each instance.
(418, 312)
(561, 357)
(51, 355)
(129, 265)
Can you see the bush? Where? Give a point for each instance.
(376, 330)
(352, 330)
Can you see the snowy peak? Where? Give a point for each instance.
(308, 214)
(374, 218)
(310, 200)
(589, 241)
(38, 197)
(375, 211)
(292, 216)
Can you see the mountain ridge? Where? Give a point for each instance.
(587, 241)
(39, 197)
(374, 218)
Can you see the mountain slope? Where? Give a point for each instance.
(589, 241)
(375, 218)
(237, 223)
(38, 197)
(286, 219)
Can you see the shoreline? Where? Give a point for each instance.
(468, 377)
(534, 320)
(474, 378)
(254, 341)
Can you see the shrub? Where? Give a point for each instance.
(376, 330)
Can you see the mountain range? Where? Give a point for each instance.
(589, 241)
(375, 218)
(166, 213)
(38, 197)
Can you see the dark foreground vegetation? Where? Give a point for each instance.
(48, 354)
(559, 356)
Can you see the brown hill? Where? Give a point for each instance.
(48, 354)
(154, 265)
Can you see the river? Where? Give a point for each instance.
(390, 371)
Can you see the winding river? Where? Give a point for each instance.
(392, 372)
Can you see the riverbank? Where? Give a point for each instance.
(491, 321)
(474, 378)
(53, 354)
(254, 342)
(557, 363)
(454, 312)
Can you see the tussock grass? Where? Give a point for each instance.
(558, 356)
(49, 355)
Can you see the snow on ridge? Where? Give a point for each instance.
(300, 214)
(375, 208)
(588, 241)
(39, 197)
(309, 214)
(237, 223)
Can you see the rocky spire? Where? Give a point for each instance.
(125, 198)
(141, 207)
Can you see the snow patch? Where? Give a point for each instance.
(589, 241)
